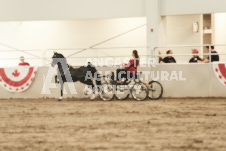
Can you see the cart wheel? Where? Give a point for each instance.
(122, 92)
(107, 92)
(155, 90)
(139, 91)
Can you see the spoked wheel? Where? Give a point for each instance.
(139, 91)
(122, 92)
(107, 92)
(155, 90)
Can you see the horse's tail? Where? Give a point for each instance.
(95, 73)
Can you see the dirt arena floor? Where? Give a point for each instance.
(167, 124)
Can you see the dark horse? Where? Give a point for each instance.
(76, 74)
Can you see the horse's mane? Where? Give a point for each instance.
(70, 67)
(59, 55)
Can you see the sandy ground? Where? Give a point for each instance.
(167, 124)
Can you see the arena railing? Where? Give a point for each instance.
(103, 52)
(11, 57)
(43, 60)
(153, 53)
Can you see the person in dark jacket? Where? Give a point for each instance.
(169, 58)
(214, 55)
(195, 57)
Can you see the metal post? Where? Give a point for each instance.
(210, 55)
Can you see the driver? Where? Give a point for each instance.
(129, 70)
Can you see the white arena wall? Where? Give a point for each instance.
(200, 82)
(185, 7)
(30, 10)
(62, 36)
(68, 37)
(45, 25)
(220, 33)
(25, 10)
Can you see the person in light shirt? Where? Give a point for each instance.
(23, 63)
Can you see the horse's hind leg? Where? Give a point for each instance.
(89, 82)
(93, 96)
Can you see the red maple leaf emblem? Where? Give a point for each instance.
(16, 73)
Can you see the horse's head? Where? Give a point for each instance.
(55, 58)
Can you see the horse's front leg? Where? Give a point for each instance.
(61, 90)
(56, 79)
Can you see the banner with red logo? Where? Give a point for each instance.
(17, 79)
(220, 72)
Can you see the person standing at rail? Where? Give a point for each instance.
(214, 55)
(23, 63)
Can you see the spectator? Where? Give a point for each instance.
(169, 58)
(23, 63)
(195, 57)
(214, 55)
